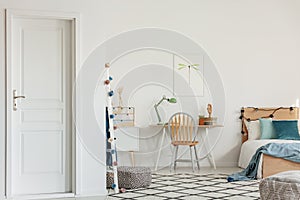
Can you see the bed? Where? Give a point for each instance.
(268, 165)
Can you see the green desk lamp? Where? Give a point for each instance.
(170, 100)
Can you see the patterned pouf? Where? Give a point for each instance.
(284, 185)
(130, 177)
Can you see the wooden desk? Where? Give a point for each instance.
(206, 144)
(163, 126)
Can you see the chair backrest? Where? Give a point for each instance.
(182, 127)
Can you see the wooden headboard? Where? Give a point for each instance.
(252, 113)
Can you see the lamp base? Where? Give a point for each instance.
(162, 123)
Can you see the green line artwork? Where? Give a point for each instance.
(182, 66)
(188, 76)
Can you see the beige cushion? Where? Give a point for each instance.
(253, 128)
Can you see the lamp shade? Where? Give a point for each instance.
(172, 100)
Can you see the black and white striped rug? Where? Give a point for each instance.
(192, 186)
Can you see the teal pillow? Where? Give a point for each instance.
(287, 129)
(267, 129)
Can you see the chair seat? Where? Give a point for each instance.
(187, 143)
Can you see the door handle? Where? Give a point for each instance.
(14, 99)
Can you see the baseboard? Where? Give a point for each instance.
(43, 196)
(226, 164)
(91, 197)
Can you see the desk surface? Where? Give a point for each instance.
(210, 126)
(199, 126)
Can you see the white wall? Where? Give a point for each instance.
(254, 44)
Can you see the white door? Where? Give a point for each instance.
(39, 75)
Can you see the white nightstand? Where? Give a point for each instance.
(128, 140)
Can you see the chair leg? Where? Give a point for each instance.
(197, 160)
(191, 152)
(175, 158)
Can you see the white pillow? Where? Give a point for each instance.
(253, 128)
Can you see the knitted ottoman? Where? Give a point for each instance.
(131, 177)
(284, 185)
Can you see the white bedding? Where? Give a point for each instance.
(249, 148)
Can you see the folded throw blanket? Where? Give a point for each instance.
(287, 151)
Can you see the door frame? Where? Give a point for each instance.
(75, 18)
(2, 104)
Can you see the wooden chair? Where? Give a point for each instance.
(183, 130)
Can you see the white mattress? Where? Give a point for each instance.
(249, 148)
